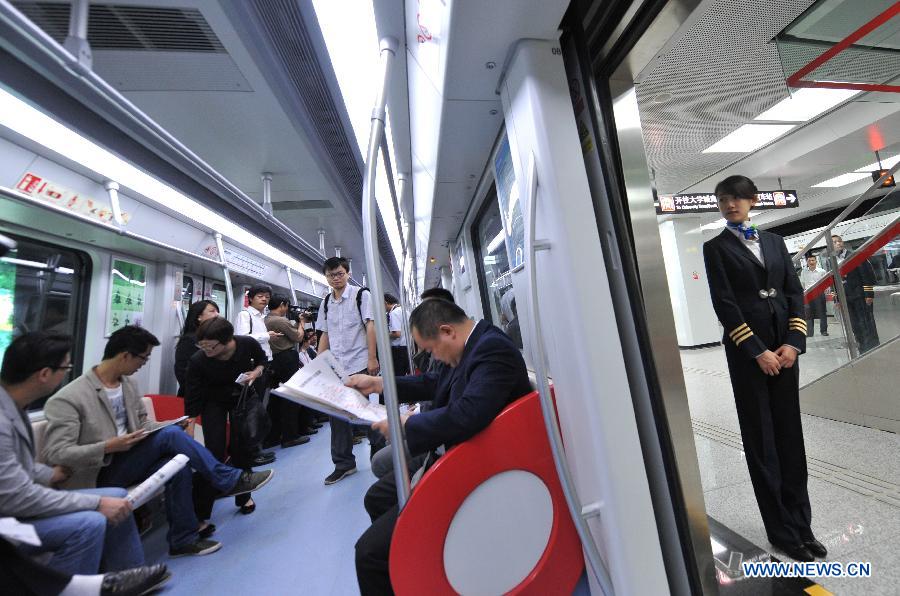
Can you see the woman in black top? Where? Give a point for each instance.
(199, 311)
(211, 390)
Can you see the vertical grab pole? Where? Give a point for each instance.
(547, 407)
(388, 47)
(404, 301)
(290, 278)
(229, 304)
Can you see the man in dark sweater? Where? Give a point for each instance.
(484, 373)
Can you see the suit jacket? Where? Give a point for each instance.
(80, 420)
(24, 490)
(859, 283)
(754, 324)
(466, 398)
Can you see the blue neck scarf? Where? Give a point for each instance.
(748, 230)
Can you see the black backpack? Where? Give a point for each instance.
(358, 304)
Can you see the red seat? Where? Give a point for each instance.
(515, 440)
(167, 407)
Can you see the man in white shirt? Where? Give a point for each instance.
(252, 322)
(345, 319)
(395, 316)
(809, 275)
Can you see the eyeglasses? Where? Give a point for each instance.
(336, 274)
(208, 348)
(141, 356)
(63, 367)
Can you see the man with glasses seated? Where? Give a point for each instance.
(98, 427)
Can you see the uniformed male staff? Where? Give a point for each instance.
(759, 300)
(859, 287)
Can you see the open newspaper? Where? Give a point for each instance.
(320, 385)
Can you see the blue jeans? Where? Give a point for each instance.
(80, 541)
(139, 462)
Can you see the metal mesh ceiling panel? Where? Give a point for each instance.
(723, 72)
(301, 205)
(119, 27)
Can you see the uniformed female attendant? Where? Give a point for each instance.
(759, 300)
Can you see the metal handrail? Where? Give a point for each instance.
(229, 290)
(548, 408)
(388, 49)
(843, 214)
(404, 302)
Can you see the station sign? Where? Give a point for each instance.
(707, 203)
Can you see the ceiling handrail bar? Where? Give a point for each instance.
(388, 48)
(845, 213)
(46, 44)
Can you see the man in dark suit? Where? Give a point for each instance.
(859, 287)
(758, 298)
(484, 373)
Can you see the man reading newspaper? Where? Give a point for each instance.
(484, 373)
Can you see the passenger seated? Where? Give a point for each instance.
(484, 373)
(83, 531)
(98, 427)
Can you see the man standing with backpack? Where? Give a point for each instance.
(348, 330)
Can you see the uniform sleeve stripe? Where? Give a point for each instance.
(741, 339)
(797, 319)
(738, 330)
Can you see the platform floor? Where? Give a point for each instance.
(854, 479)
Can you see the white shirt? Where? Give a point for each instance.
(755, 246)
(117, 401)
(396, 324)
(304, 356)
(810, 276)
(346, 331)
(253, 323)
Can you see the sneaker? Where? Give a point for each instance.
(338, 475)
(250, 481)
(201, 547)
(132, 582)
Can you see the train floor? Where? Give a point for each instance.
(854, 482)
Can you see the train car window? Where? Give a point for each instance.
(42, 288)
(494, 271)
(219, 295)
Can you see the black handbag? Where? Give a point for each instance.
(249, 424)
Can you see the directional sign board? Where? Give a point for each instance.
(707, 203)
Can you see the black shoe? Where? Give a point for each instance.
(816, 548)
(208, 531)
(133, 582)
(263, 459)
(248, 508)
(308, 431)
(338, 475)
(295, 442)
(201, 547)
(357, 440)
(798, 552)
(250, 481)
(270, 444)
(825, 333)
(317, 425)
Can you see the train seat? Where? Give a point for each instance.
(490, 517)
(169, 407)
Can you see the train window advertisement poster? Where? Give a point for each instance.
(707, 202)
(127, 295)
(7, 308)
(510, 205)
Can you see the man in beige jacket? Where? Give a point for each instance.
(98, 427)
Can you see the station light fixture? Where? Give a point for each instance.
(28, 121)
(748, 137)
(805, 104)
(884, 164)
(842, 180)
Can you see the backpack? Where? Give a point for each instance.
(358, 304)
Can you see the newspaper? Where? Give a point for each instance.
(320, 385)
(13, 529)
(146, 489)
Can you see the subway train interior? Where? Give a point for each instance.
(551, 163)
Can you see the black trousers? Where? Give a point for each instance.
(768, 411)
(400, 359)
(816, 310)
(373, 547)
(215, 418)
(862, 320)
(288, 418)
(19, 574)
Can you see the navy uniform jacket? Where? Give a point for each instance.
(465, 399)
(736, 280)
(859, 284)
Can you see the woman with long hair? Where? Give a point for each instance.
(199, 311)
